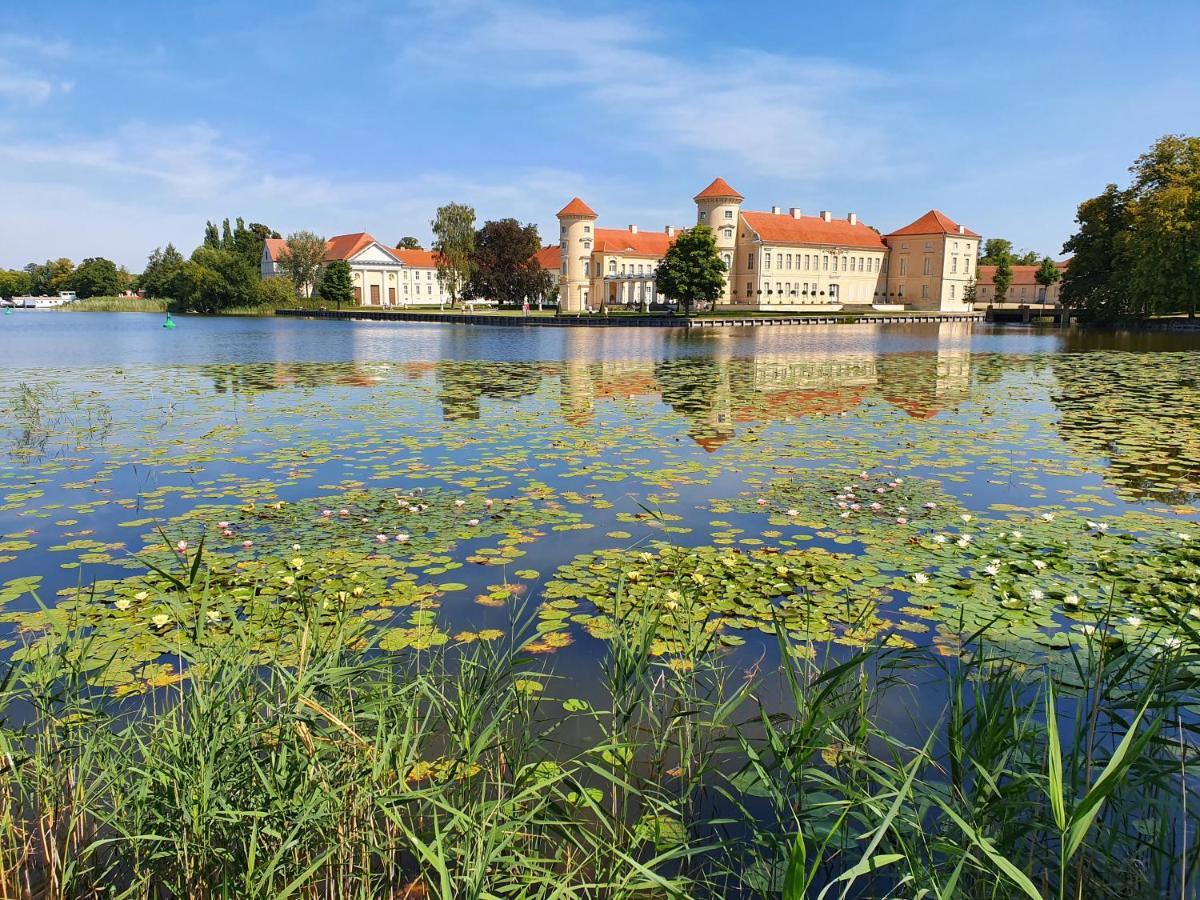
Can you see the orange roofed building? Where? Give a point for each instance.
(380, 275)
(775, 260)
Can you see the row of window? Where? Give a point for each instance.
(813, 262)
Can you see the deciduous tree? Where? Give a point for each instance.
(1003, 278)
(408, 243)
(504, 264)
(97, 277)
(1046, 275)
(335, 283)
(692, 271)
(300, 261)
(160, 270)
(454, 242)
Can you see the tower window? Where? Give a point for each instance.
(729, 213)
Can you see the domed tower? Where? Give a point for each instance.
(718, 206)
(577, 235)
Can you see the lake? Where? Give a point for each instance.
(406, 610)
(471, 475)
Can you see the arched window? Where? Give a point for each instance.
(728, 261)
(612, 267)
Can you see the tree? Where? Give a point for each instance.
(301, 259)
(454, 242)
(335, 283)
(97, 277)
(1003, 278)
(160, 271)
(14, 283)
(692, 271)
(1092, 282)
(995, 249)
(214, 280)
(969, 293)
(1046, 275)
(408, 243)
(504, 264)
(226, 235)
(276, 293)
(211, 237)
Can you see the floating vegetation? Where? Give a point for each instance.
(436, 496)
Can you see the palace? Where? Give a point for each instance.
(773, 260)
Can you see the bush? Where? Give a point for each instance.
(276, 292)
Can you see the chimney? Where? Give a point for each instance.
(826, 215)
(775, 210)
(962, 229)
(852, 219)
(670, 230)
(795, 212)
(633, 229)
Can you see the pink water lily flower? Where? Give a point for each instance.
(382, 538)
(901, 520)
(247, 544)
(181, 546)
(326, 513)
(488, 502)
(227, 533)
(472, 522)
(761, 502)
(222, 524)
(876, 506)
(344, 512)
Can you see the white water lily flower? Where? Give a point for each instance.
(122, 603)
(939, 539)
(402, 538)
(966, 517)
(1039, 565)
(1049, 517)
(472, 522)
(295, 546)
(1037, 594)
(160, 621)
(964, 540)
(1134, 621)
(921, 578)
(1183, 535)
(1088, 629)
(460, 502)
(1018, 534)
(181, 546)
(993, 569)
(141, 595)
(382, 538)
(1071, 600)
(793, 512)
(297, 563)
(213, 615)
(1174, 643)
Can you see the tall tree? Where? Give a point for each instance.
(212, 237)
(454, 242)
(97, 277)
(301, 260)
(335, 283)
(692, 271)
(214, 280)
(1092, 284)
(970, 292)
(995, 249)
(408, 243)
(1046, 275)
(504, 264)
(1003, 279)
(159, 274)
(226, 235)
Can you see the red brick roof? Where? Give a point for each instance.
(1021, 274)
(577, 208)
(550, 257)
(933, 222)
(781, 229)
(719, 188)
(623, 241)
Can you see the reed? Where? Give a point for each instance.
(473, 772)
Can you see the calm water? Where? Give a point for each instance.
(582, 440)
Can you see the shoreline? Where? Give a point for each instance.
(625, 321)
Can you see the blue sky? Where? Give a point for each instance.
(125, 125)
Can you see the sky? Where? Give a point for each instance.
(125, 125)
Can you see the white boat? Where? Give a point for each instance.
(43, 302)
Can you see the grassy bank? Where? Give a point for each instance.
(116, 304)
(475, 771)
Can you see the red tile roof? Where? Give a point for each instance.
(1021, 274)
(720, 188)
(623, 241)
(933, 222)
(781, 229)
(420, 259)
(344, 246)
(550, 257)
(577, 208)
(275, 246)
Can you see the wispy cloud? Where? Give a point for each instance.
(782, 116)
(27, 67)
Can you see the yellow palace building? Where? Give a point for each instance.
(774, 260)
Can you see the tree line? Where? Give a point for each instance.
(1136, 252)
(496, 261)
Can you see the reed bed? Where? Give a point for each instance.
(475, 772)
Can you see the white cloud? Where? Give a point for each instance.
(780, 116)
(24, 61)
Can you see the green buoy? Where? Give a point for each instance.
(170, 323)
